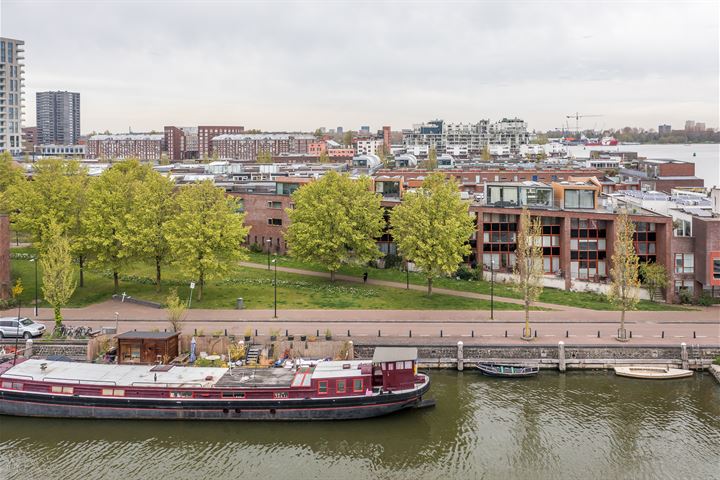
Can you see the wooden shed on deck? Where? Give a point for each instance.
(147, 347)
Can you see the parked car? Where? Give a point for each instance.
(27, 328)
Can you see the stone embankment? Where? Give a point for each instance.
(715, 370)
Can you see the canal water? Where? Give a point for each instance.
(589, 425)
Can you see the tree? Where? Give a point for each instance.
(486, 154)
(348, 138)
(10, 175)
(147, 219)
(335, 222)
(264, 156)
(624, 271)
(324, 157)
(431, 162)
(55, 193)
(109, 202)
(176, 310)
(206, 233)
(432, 226)
(58, 277)
(528, 268)
(654, 277)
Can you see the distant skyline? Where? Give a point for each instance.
(285, 65)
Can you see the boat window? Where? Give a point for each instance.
(391, 366)
(59, 389)
(180, 394)
(233, 394)
(280, 394)
(107, 391)
(357, 385)
(322, 387)
(6, 385)
(119, 393)
(399, 365)
(14, 386)
(340, 386)
(408, 365)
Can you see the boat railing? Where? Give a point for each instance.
(167, 385)
(15, 375)
(79, 381)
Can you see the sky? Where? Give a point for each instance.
(288, 66)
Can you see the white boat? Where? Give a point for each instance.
(657, 373)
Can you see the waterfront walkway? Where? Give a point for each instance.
(693, 327)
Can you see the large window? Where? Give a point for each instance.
(588, 249)
(579, 199)
(716, 268)
(684, 262)
(502, 196)
(538, 197)
(682, 228)
(645, 237)
(499, 240)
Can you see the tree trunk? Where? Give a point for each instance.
(429, 286)
(332, 275)
(58, 317)
(81, 260)
(622, 319)
(201, 283)
(157, 274)
(526, 331)
(116, 281)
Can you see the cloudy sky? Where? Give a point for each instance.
(286, 65)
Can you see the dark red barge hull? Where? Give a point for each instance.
(27, 404)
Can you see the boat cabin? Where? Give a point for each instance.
(394, 368)
(147, 347)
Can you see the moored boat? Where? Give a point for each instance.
(507, 370)
(334, 390)
(653, 373)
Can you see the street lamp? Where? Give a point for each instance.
(269, 245)
(407, 274)
(117, 316)
(274, 261)
(34, 260)
(492, 289)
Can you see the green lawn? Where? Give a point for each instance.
(556, 296)
(255, 287)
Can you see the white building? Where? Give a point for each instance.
(368, 146)
(12, 74)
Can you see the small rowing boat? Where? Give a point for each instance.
(653, 373)
(507, 370)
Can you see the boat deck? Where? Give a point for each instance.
(257, 377)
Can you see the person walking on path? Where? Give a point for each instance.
(365, 277)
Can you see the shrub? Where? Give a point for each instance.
(717, 360)
(6, 304)
(393, 261)
(466, 273)
(685, 297)
(705, 300)
(256, 248)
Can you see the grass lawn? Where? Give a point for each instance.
(550, 295)
(255, 287)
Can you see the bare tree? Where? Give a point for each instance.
(624, 288)
(529, 264)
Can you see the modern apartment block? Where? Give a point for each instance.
(29, 139)
(245, 147)
(58, 118)
(187, 143)
(12, 74)
(145, 147)
(465, 139)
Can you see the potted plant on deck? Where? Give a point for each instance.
(328, 334)
(248, 334)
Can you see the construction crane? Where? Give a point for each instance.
(577, 118)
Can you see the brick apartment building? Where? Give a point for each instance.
(145, 147)
(245, 147)
(186, 143)
(4, 257)
(663, 175)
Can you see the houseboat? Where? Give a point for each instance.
(335, 390)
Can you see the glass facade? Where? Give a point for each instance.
(499, 240)
(588, 246)
(645, 238)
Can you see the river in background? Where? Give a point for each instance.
(589, 425)
(706, 159)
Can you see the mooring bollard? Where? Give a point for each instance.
(535, 333)
(561, 356)
(378, 333)
(684, 356)
(410, 334)
(694, 335)
(630, 333)
(567, 333)
(318, 333)
(226, 332)
(663, 334)
(286, 333)
(441, 335)
(255, 332)
(460, 361)
(28, 348)
(348, 333)
(505, 333)
(598, 333)
(472, 333)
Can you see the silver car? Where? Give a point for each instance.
(26, 328)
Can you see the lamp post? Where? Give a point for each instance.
(492, 289)
(274, 261)
(35, 261)
(117, 317)
(269, 245)
(407, 275)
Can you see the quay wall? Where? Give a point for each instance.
(557, 356)
(715, 370)
(76, 349)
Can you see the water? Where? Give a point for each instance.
(706, 159)
(578, 425)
